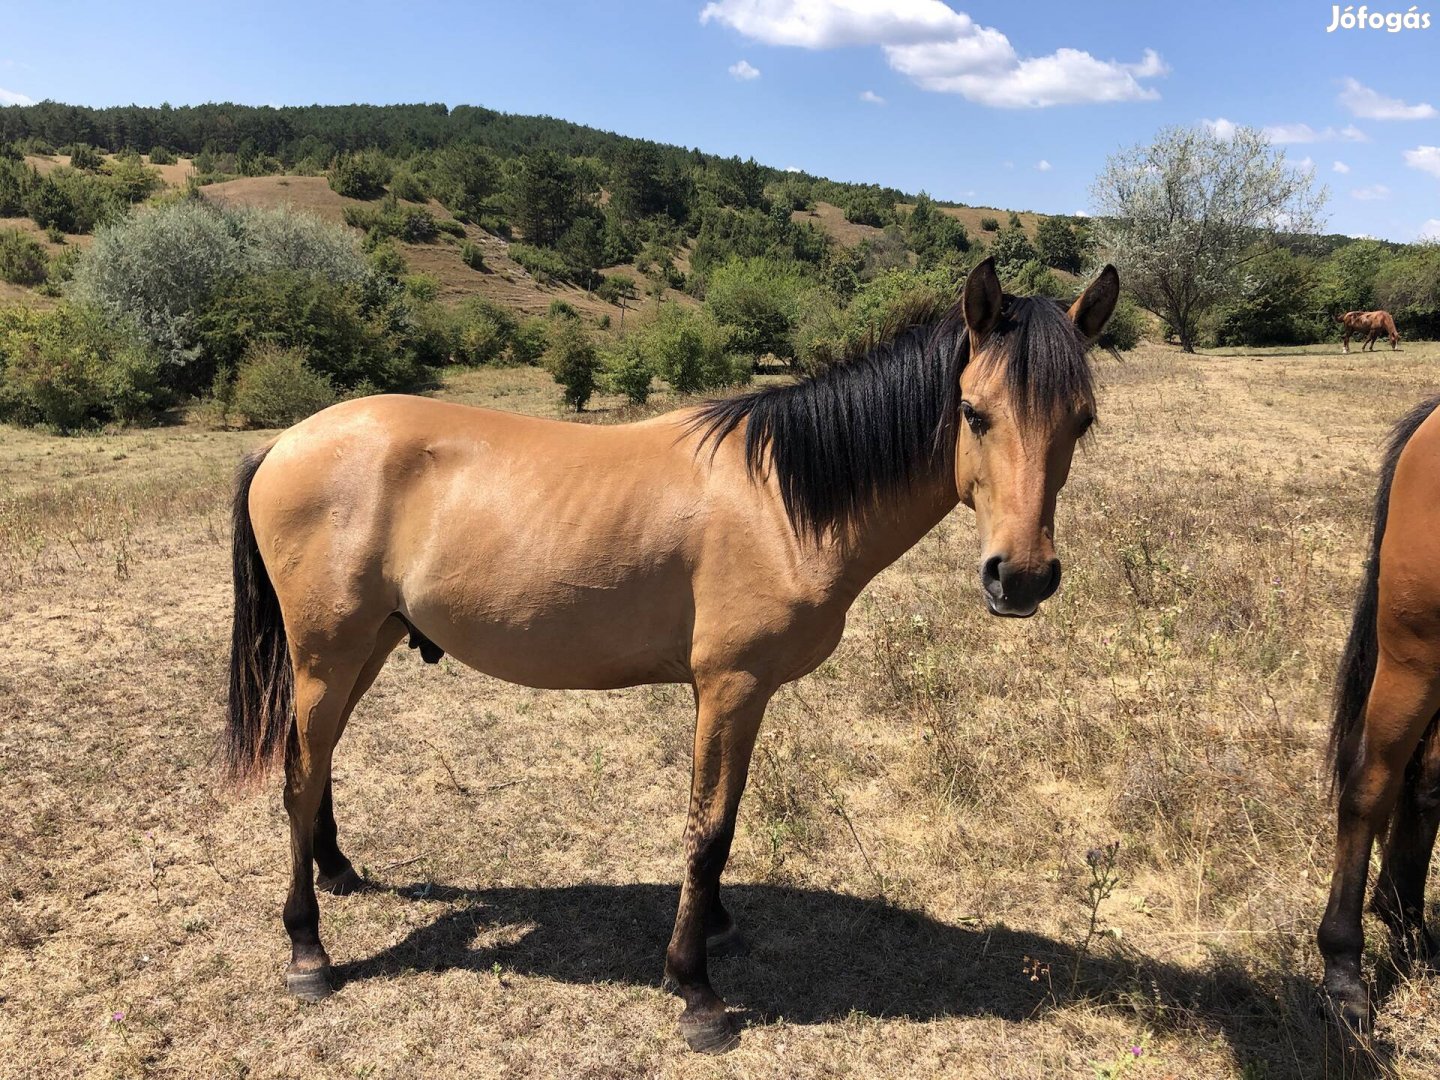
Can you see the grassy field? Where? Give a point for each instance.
(922, 862)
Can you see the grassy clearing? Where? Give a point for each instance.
(923, 858)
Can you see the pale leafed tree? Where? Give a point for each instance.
(1183, 217)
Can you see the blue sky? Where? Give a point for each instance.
(973, 97)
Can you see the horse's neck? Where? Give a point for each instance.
(861, 549)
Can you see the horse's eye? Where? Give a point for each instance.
(976, 422)
(1086, 423)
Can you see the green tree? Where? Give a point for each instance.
(759, 301)
(466, 178)
(544, 196)
(572, 361)
(618, 289)
(1057, 244)
(1183, 216)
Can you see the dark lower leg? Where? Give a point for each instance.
(1400, 891)
(335, 872)
(704, 1023)
(309, 973)
(1341, 937)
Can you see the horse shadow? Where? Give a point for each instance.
(820, 956)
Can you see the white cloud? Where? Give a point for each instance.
(13, 97)
(1424, 158)
(1305, 163)
(1304, 133)
(872, 98)
(1340, 167)
(744, 70)
(1371, 193)
(793, 168)
(1081, 213)
(1221, 128)
(1430, 231)
(1043, 165)
(1373, 105)
(942, 50)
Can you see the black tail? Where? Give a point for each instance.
(262, 684)
(1357, 666)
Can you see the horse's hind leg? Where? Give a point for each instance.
(335, 873)
(728, 714)
(1400, 891)
(1403, 699)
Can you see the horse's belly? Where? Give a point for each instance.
(562, 639)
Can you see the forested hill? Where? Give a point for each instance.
(315, 134)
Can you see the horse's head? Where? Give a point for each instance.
(1025, 401)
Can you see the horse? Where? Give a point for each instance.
(1383, 748)
(719, 545)
(1370, 323)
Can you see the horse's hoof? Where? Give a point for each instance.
(729, 942)
(309, 985)
(342, 884)
(709, 1032)
(1348, 1004)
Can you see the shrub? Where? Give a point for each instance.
(71, 201)
(629, 371)
(423, 287)
(827, 333)
(1126, 326)
(544, 265)
(484, 330)
(16, 180)
(450, 228)
(386, 260)
(759, 300)
(562, 309)
(163, 268)
(472, 256)
(990, 224)
(360, 176)
(69, 369)
(528, 344)
(417, 225)
(1034, 278)
(85, 157)
(406, 185)
(691, 351)
(572, 361)
(159, 155)
(275, 388)
(22, 258)
(1057, 244)
(132, 181)
(54, 235)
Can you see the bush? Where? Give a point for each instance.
(406, 185)
(22, 258)
(990, 224)
(572, 361)
(387, 261)
(691, 351)
(16, 180)
(827, 334)
(85, 157)
(562, 309)
(450, 228)
(71, 201)
(1057, 244)
(163, 269)
(275, 388)
(360, 176)
(159, 155)
(132, 181)
(759, 300)
(629, 371)
(484, 330)
(1126, 327)
(544, 265)
(472, 256)
(69, 369)
(1034, 278)
(528, 344)
(423, 287)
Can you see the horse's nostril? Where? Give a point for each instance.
(990, 576)
(1054, 582)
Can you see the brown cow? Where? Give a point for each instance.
(1370, 323)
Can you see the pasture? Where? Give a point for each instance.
(924, 860)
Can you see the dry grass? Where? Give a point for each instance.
(911, 857)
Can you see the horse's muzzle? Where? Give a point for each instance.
(1016, 591)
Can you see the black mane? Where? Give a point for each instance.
(840, 439)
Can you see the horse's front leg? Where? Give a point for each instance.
(728, 712)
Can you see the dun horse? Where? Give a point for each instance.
(1370, 323)
(719, 546)
(1383, 741)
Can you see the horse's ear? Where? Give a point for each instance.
(981, 300)
(1092, 310)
